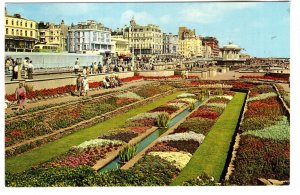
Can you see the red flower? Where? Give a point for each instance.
(204, 113)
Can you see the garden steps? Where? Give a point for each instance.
(86, 123)
(130, 163)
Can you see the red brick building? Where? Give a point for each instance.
(213, 43)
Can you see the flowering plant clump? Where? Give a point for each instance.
(189, 146)
(197, 125)
(189, 100)
(262, 96)
(266, 78)
(185, 95)
(129, 79)
(218, 100)
(260, 89)
(121, 136)
(220, 105)
(224, 96)
(279, 131)
(166, 108)
(242, 85)
(178, 159)
(95, 143)
(204, 113)
(139, 130)
(162, 147)
(183, 136)
(130, 95)
(178, 105)
(125, 101)
(144, 115)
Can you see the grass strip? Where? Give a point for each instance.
(211, 156)
(28, 159)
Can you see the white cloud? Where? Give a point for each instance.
(165, 19)
(211, 12)
(141, 18)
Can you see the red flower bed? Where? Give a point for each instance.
(265, 107)
(129, 79)
(196, 83)
(266, 78)
(125, 101)
(204, 113)
(95, 84)
(139, 129)
(162, 147)
(241, 85)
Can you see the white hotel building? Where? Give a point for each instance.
(89, 37)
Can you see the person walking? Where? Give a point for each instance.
(21, 96)
(76, 66)
(99, 67)
(84, 71)
(30, 70)
(15, 71)
(85, 83)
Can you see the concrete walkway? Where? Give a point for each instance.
(69, 98)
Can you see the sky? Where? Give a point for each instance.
(261, 28)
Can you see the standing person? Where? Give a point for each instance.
(79, 84)
(99, 67)
(25, 66)
(85, 83)
(21, 95)
(76, 66)
(95, 68)
(30, 70)
(84, 71)
(15, 71)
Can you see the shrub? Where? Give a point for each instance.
(163, 120)
(202, 180)
(127, 153)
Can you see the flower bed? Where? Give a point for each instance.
(129, 95)
(264, 145)
(273, 78)
(64, 117)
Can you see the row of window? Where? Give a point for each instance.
(19, 32)
(19, 23)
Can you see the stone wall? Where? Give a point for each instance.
(155, 73)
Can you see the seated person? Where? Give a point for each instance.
(105, 83)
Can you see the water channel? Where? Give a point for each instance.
(150, 138)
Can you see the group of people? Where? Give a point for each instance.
(12, 66)
(111, 82)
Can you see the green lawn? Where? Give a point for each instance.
(211, 156)
(26, 160)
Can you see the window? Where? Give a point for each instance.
(6, 21)
(30, 25)
(31, 33)
(6, 30)
(25, 33)
(25, 24)
(12, 22)
(12, 32)
(17, 23)
(21, 23)
(17, 32)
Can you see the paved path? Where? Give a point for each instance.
(285, 87)
(66, 99)
(223, 76)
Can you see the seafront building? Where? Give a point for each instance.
(190, 45)
(50, 34)
(170, 43)
(144, 41)
(214, 44)
(20, 33)
(120, 45)
(89, 37)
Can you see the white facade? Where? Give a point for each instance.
(89, 39)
